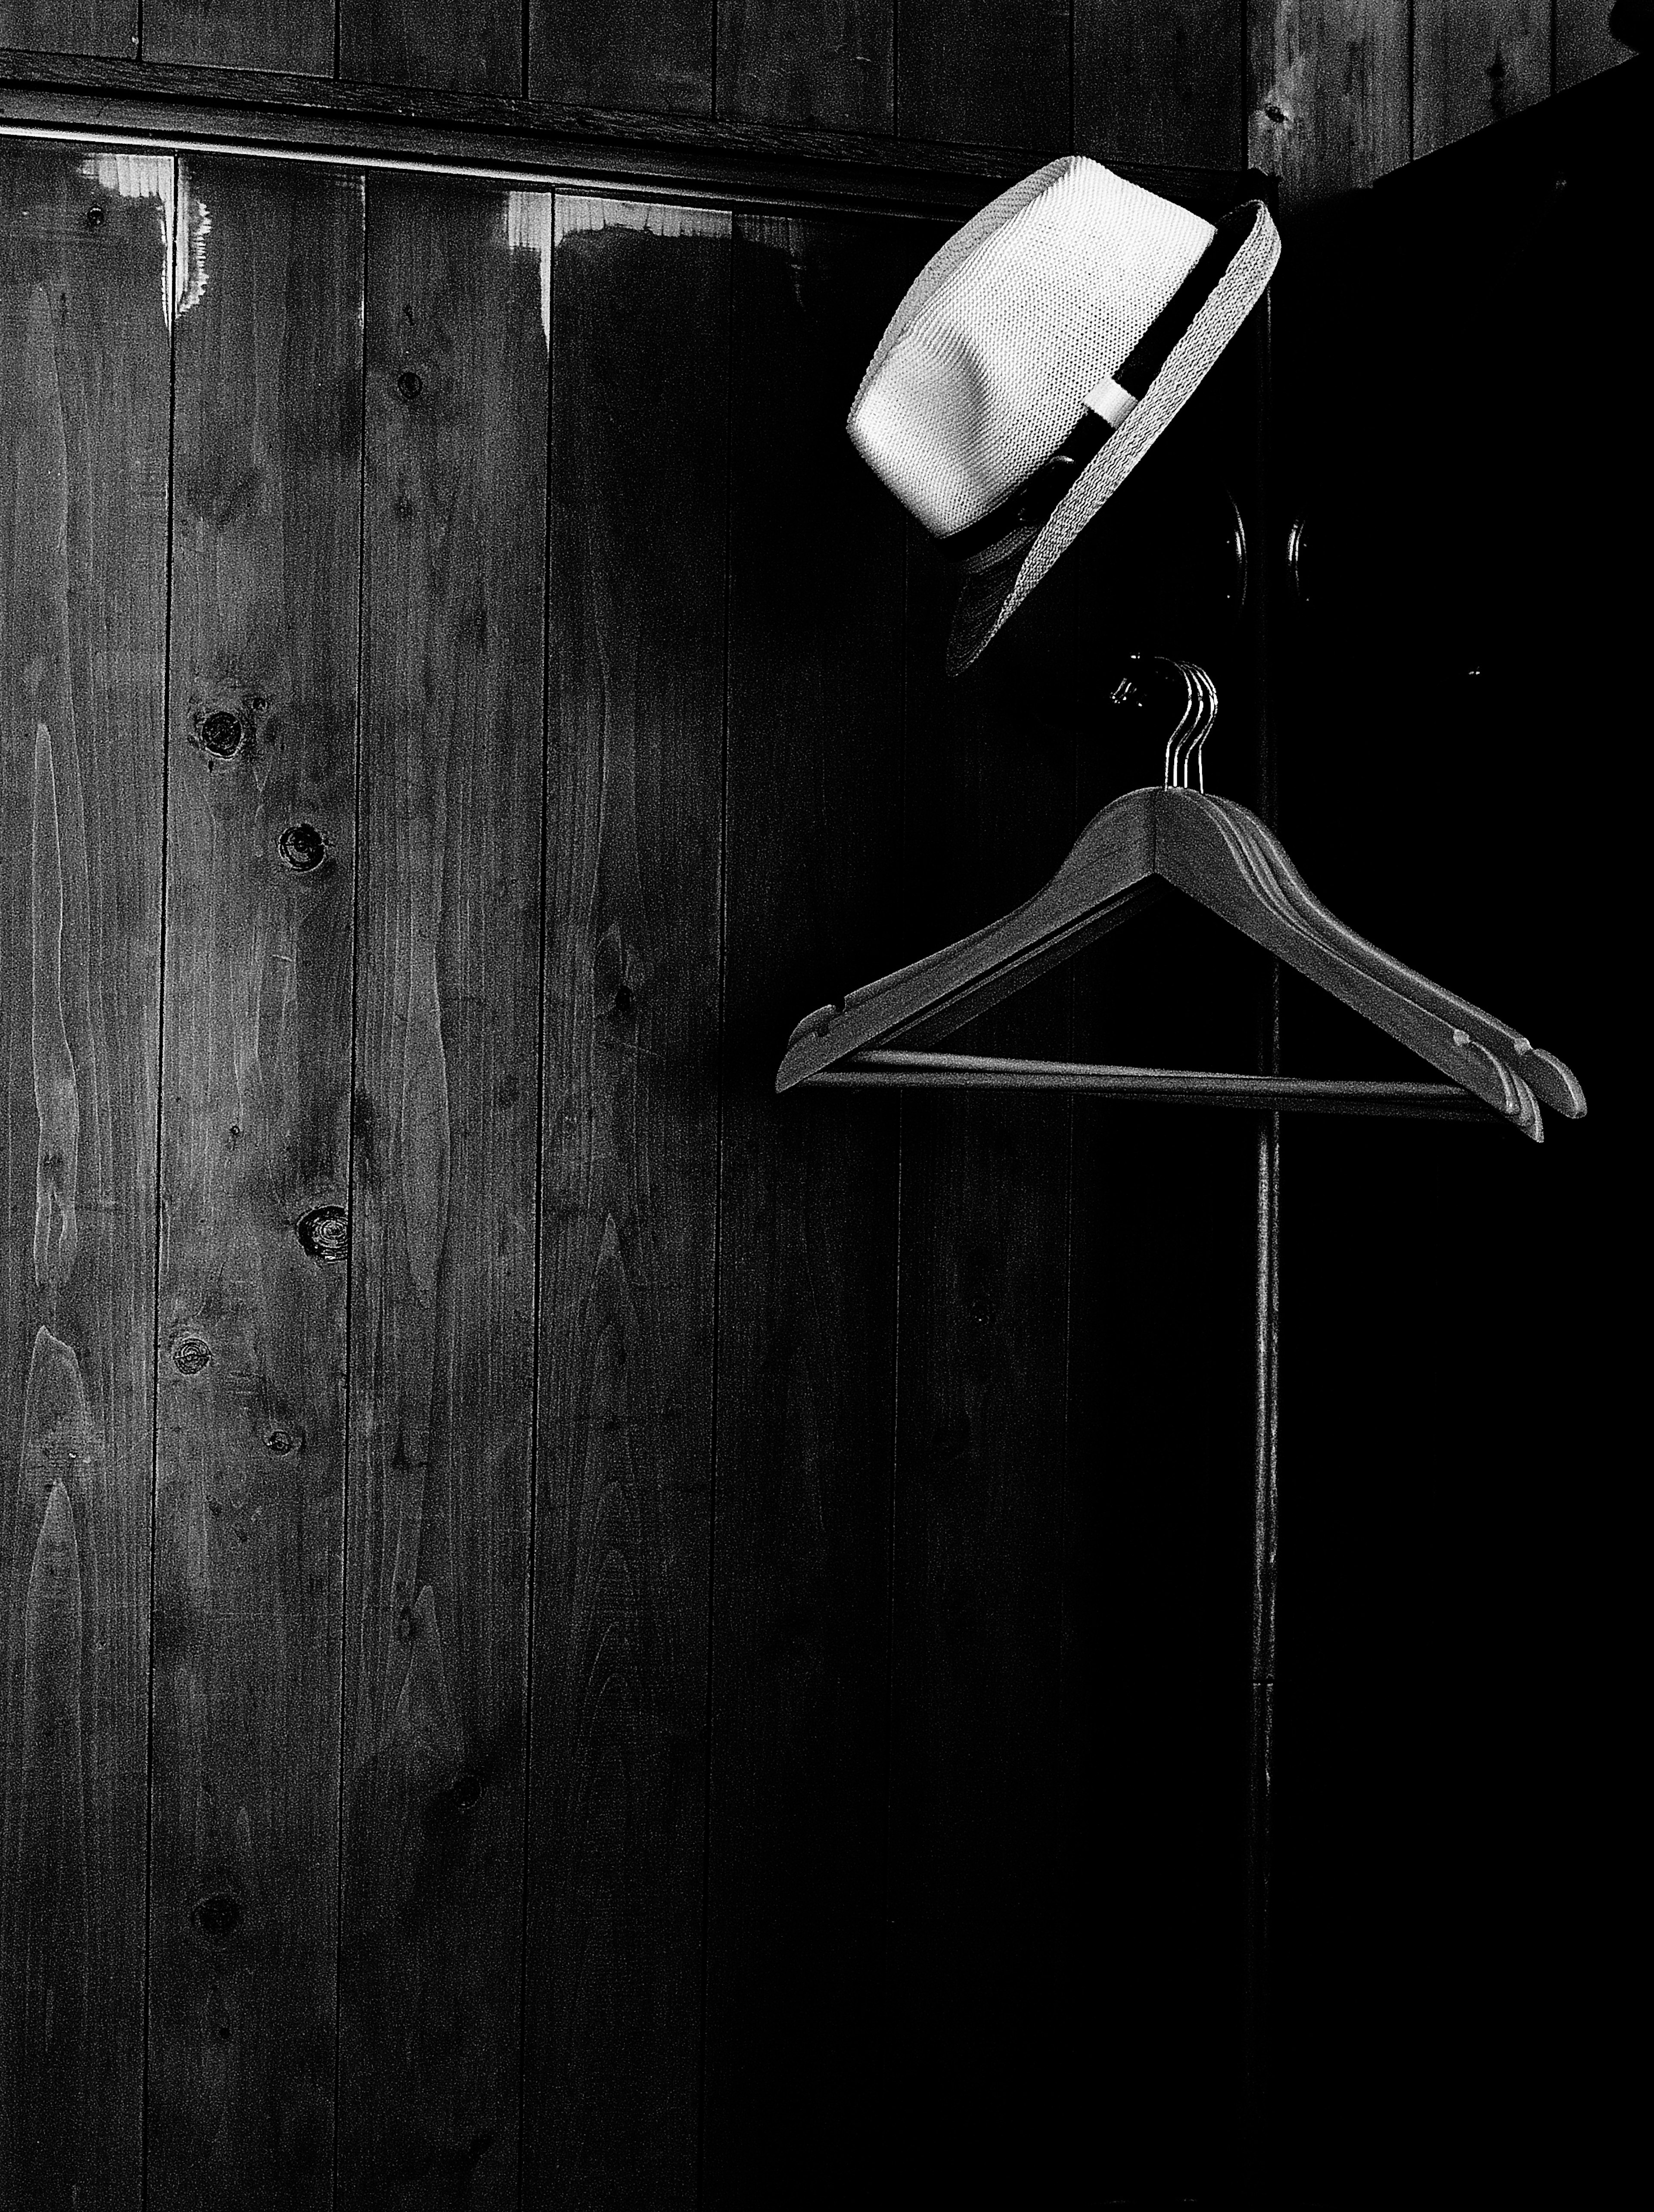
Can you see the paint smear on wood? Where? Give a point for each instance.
(184, 220)
(531, 220)
(577, 214)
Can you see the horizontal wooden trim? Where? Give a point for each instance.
(526, 141)
(960, 1070)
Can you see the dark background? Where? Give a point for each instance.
(683, 1646)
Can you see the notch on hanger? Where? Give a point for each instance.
(1176, 835)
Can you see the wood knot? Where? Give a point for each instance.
(302, 847)
(624, 1001)
(191, 1352)
(405, 1624)
(409, 384)
(281, 1441)
(224, 721)
(94, 216)
(221, 735)
(217, 1916)
(324, 1234)
(463, 1793)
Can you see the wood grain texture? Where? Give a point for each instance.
(645, 57)
(825, 62)
(1474, 65)
(989, 72)
(475, 48)
(295, 36)
(974, 1991)
(443, 1196)
(250, 1475)
(1328, 94)
(84, 443)
(1160, 84)
(1582, 44)
(623, 1525)
(70, 26)
(807, 1234)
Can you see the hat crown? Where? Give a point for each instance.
(987, 363)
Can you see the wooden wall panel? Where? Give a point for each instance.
(643, 56)
(628, 1289)
(71, 27)
(83, 446)
(1474, 66)
(476, 47)
(295, 36)
(976, 1991)
(782, 62)
(807, 1232)
(994, 72)
(443, 1198)
(254, 1163)
(1160, 84)
(1330, 93)
(1582, 44)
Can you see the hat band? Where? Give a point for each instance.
(1017, 520)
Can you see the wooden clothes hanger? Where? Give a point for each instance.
(1220, 856)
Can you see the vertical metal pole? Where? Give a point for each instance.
(1266, 1339)
(1260, 1744)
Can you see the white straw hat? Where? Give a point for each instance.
(1034, 361)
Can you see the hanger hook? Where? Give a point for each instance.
(1185, 722)
(1190, 740)
(1185, 745)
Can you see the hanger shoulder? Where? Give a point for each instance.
(1554, 1083)
(1108, 876)
(1202, 854)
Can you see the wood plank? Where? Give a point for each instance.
(1160, 84)
(476, 48)
(293, 35)
(71, 27)
(643, 56)
(623, 1525)
(976, 2002)
(443, 1192)
(779, 62)
(255, 1123)
(1582, 44)
(987, 72)
(807, 1233)
(83, 441)
(1475, 64)
(1330, 95)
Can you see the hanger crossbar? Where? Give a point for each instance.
(877, 1070)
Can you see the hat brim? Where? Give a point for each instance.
(991, 596)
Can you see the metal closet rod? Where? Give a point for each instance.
(874, 1070)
